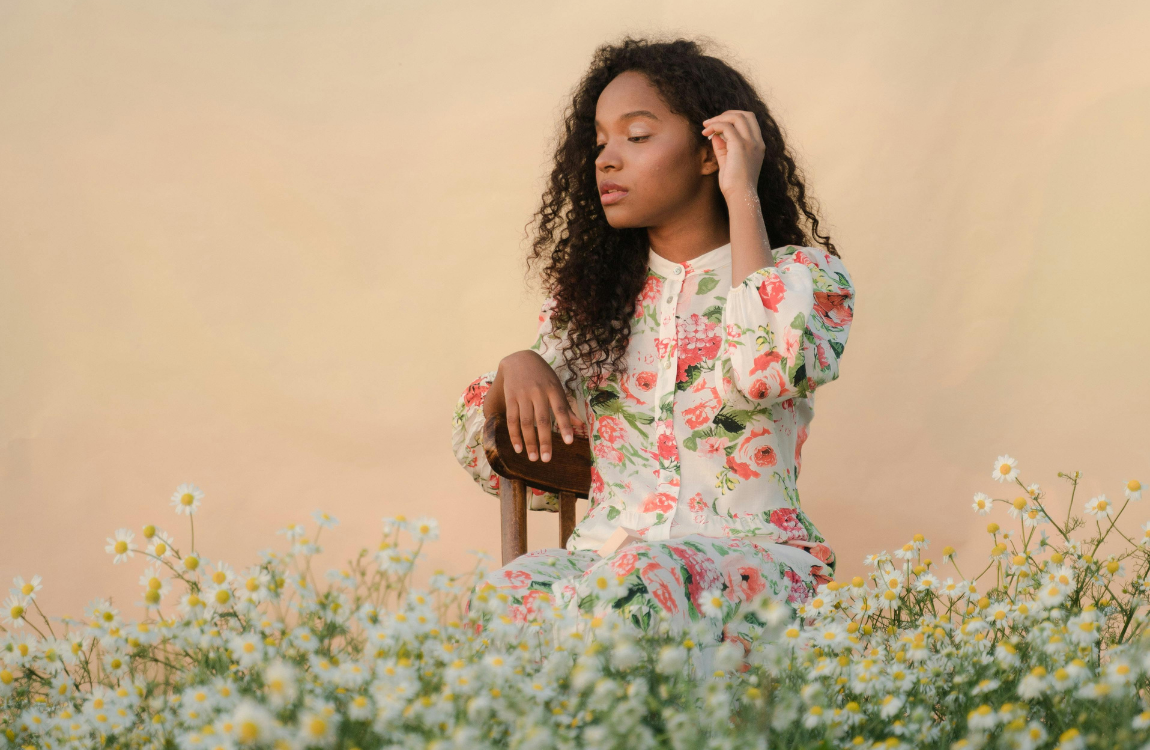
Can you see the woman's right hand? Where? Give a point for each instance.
(527, 391)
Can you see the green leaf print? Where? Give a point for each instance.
(729, 420)
(800, 322)
(714, 314)
(837, 346)
(692, 373)
(612, 513)
(706, 284)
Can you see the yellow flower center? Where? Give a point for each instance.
(121, 547)
(187, 498)
(1134, 485)
(1004, 468)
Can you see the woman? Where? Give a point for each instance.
(677, 339)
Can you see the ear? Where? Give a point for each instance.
(709, 163)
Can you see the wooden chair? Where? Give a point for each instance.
(568, 473)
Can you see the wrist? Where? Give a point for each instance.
(744, 196)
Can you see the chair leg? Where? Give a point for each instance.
(513, 518)
(566, 516)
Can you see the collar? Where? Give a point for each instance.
(708, 261)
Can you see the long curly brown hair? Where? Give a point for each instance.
(596, 272)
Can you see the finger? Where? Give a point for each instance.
(730, 128)
(562, 414)
(527, 424)
(731, 136)
(756, 131)
(736, 120)
(543, 425)
(512, 418)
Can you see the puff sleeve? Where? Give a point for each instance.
(468, 419)
(785, 326)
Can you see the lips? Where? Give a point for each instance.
(611, 192)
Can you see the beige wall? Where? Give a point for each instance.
(263, 246)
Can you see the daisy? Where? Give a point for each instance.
(832, 635)
(425, 529)
(711, 603)
(186, 499)
(951, 589)
(1099, 507)
(155, 585)
(222, 573)
(292, 532)
(318, 728)
(26, 589)
(1145, 540)
(120, 546)
(927, 582)
(13, 611)
(981, 503)
(606, 585)
(1017, 507)
(1005, 469)
(160, 545)
(1133, 490)
(325, 520)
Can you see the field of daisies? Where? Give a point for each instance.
(1044, 647)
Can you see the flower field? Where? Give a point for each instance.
(1044, 647)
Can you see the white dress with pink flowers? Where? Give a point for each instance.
(701, 437)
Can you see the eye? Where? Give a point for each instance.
(632, 138)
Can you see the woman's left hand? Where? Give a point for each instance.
(739, 148)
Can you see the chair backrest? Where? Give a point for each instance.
(568, 473)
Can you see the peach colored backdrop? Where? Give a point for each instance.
(263, 247)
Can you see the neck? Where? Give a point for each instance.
(696, 229)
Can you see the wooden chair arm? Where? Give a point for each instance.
(568, 474)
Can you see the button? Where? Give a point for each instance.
(678, 270)
(668, 300)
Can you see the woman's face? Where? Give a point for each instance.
(648, 152)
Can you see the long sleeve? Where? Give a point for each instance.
(468, 420)
(785, 326)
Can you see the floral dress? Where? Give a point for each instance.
(696, 446)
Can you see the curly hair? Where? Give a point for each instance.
(596, 272)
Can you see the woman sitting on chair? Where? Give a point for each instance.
(679, 341)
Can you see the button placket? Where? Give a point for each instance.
(666, 385)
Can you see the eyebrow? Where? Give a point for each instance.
(636, 113)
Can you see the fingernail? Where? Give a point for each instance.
(566, 438)
(531, 455)
(546, 456)
(518, 448)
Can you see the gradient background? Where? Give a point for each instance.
(264, 246)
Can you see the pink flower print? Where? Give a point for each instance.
(658, 502)
(531, 601)
(705, 410)
(799, 440)
(610, 428)
(473, 396)
(822, 552)
(656, 578)
(704, 574)
(645, 380)
(596, 482)
(624, 563)
(772, 383)
(652, 289)
(762, 454)
(668, 448)
(608, 452)
(799, 593)
(744, 579)
(792, 337)
(696, 503)
(663, 346)
(832, 308)
(698, 342)
(787, 519)
(743, 470)
(764, 361)
(713, 446)
(821, 354)
(627, 391)
(514, 579)
(772, 291)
